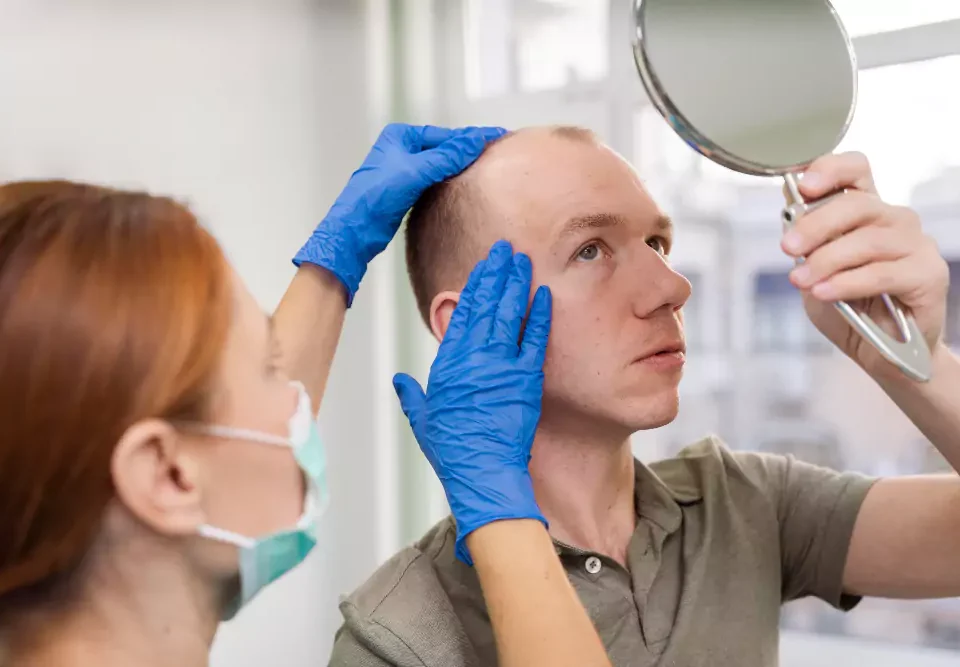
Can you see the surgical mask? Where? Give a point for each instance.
(263, 560)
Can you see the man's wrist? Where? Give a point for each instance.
(894, 381)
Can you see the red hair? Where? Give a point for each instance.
(114, 307)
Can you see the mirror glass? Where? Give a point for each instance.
(762, 86)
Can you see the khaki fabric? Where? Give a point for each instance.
(723, 539)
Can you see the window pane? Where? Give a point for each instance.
(868, 17)
(530, 45)
(906, 123)
(791, 392)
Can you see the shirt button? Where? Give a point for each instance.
(593, 565)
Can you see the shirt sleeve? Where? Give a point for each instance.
(816, 511)
(348, 651)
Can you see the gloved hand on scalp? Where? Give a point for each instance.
(476, 422)
(403, 163)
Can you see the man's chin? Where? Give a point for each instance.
(614, 415)
(653, 412)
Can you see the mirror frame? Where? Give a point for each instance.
(690, 135)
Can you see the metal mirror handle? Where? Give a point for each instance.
(911, 355)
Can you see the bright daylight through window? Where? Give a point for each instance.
(524, 45)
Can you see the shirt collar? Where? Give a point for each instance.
(660, 497)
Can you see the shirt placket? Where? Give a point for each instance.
(596, 570)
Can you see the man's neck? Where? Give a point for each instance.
(585, 489)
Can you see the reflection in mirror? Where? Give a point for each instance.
(741, 79)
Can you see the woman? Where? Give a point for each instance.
(158, 468)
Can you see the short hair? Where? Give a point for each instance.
(441, 243)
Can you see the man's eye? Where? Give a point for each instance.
(659, 244)
(588, 253)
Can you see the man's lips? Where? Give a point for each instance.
(669, 354)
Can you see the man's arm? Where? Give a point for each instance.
(308, 323)
(906, 540)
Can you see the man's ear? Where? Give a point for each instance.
(441, 310)
(157, 478)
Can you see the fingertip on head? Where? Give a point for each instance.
(500, 250)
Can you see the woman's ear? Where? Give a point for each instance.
(157, 479)
(441, 310)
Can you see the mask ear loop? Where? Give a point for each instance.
(226, 536)
(248, 435)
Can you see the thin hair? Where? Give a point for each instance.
(441, 239)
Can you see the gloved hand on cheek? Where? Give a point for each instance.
(477, 420)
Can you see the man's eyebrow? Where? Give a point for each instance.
(662, 224)
(592, 221)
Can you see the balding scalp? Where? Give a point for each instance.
(442, 239)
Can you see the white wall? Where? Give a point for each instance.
(256, 112)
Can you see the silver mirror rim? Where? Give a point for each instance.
(691, 136)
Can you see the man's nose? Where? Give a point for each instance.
(659, 287)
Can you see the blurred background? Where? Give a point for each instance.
(257, 111)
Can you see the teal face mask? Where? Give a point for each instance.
(263, 560)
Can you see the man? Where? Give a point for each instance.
(688, 561)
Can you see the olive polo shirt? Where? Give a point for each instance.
(722, 540)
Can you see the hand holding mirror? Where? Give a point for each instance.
(763, 87)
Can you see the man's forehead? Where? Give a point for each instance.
(537, 157)
(538, 181)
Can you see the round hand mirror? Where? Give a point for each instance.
(764, 88)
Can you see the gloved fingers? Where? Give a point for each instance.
(533, 349)
(461, 314)
(489, 133)
(489, 292)
(401, 133)
(432, 136)
(455, 154)
(513, 306)
(412, 400)
(416, 138)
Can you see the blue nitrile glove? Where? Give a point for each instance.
(477, 420)
(404, 161)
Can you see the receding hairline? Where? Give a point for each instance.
(467, 196)
(454, 248)
(569, 132)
